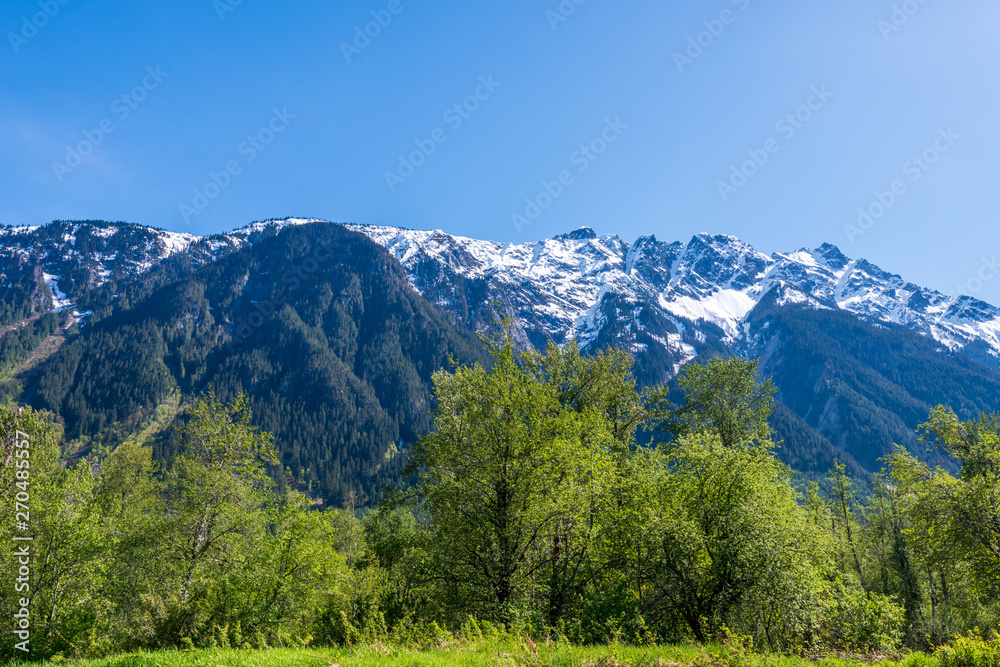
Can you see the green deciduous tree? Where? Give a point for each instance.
(728, 542)
(66, 568)
(510, 479)
(603, 382)
(954, 522)
(217, 494)
(602, 385)
(725, 397)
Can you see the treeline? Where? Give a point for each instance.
(533, 508)
(541, 511)
(126, 555)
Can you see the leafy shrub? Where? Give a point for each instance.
(607, 614)
(853, 620)
(738, 651)
(970, 651)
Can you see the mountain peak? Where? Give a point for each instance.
(714, 280)
(582, 234)
(716, 239)
(833, 256)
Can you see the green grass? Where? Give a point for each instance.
(481, 655)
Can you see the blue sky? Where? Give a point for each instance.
(296, 115)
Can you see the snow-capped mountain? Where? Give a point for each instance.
(600, 289)
(73, 258)
(561, 288)
(100, 248)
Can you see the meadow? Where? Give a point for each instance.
(525, 653)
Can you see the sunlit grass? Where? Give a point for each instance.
(486, 654)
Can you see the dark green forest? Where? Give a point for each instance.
(866, 388)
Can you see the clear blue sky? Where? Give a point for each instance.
(220, 80)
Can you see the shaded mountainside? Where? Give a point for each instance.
(863, 387)
(65, 262)
(318, 325)
(334, 331)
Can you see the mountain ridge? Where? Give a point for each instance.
(712, 281)
(716, 278)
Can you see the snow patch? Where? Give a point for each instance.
(725, 308)
(59, 300)
(174, 242)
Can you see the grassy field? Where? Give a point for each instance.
(485, 655)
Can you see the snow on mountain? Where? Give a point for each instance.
(717, 280)
(23, 229)
(53, 266)
(255, 229)
(97, 249)
(599, 289)
(557, 283)
(59, 300)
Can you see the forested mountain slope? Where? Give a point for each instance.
(318, 325)
(863, 387)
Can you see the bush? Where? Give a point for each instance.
(853, 620)
(970, 651)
